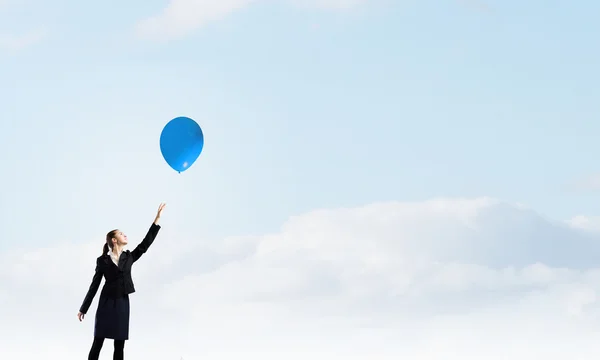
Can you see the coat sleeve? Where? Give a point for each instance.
(93, 288)
(145, 244)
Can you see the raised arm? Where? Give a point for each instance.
(145, 244)
(149, 238)
(93, 289)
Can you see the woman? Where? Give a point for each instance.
(112, 316)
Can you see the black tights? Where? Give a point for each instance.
(97, 346)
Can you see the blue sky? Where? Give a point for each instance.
(398, 102)
(307, 105)
(303, 108)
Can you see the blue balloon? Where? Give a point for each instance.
(181, 142)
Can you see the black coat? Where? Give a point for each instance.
(118, 278)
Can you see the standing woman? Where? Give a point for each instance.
(112, 316)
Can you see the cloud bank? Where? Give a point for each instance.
(440, 279)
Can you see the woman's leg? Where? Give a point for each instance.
(96, 347)
(119, 346)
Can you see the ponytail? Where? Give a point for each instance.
(108, 243)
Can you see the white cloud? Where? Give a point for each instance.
(587, 223)
(183, 16)
(586, 183)
(441, 279)
(180, 17)
(11, 42)
(329, 4)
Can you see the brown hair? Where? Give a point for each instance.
(108, 244)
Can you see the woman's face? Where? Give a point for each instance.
(120, 238)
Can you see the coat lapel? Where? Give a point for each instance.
(122, 260)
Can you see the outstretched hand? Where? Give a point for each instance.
(159, 212)
(80, 316)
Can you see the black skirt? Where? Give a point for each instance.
(112, 318)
